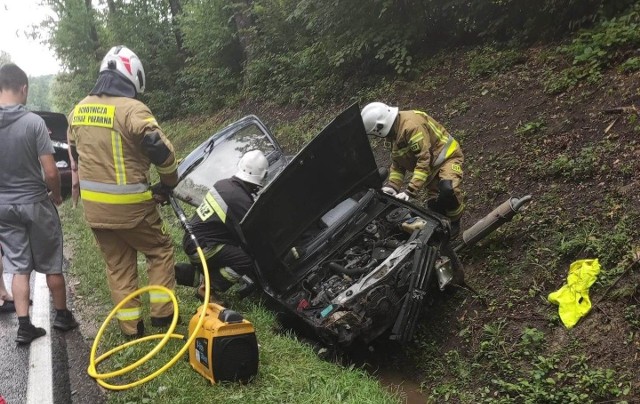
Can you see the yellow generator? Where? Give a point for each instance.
(225, 348)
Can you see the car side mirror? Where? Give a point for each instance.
(383, 172)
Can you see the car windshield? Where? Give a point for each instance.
(221, 160)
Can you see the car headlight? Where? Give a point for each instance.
(62, 164)
(60, 145)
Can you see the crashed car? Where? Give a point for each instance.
(57, 125)
(329, 246)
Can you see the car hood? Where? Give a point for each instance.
(57, 124)
(335, 164)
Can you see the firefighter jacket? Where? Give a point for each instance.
(217, 219)
(117, 139)
(421, 146)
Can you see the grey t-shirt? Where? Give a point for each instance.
(24, 137)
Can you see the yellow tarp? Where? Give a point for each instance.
(573, 297)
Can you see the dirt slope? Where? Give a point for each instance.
(581, 167)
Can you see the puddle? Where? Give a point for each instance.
(408, 390)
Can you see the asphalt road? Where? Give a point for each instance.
(50, 370)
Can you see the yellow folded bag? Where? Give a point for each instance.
(573, 298)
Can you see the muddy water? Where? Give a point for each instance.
(385, 361)
(408, 390)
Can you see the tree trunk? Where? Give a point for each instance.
(93, 33)
(111, 4)
(176, 11)
(243, 22)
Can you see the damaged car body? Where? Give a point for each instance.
(331, 248)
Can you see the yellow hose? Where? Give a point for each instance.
(93, 361)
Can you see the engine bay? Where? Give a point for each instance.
(365, 279)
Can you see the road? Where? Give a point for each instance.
(52, 370)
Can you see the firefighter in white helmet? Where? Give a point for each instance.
(216, 226)
(423, 147)
(114, 140)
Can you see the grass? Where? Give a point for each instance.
(515, 348)
(289, 371)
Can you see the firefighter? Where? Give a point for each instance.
(422, 146)
(114, 140)
(216, 226)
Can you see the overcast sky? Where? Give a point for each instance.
(16, 17)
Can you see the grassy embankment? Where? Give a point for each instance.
(529, 121)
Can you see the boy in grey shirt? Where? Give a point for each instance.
(30, 230)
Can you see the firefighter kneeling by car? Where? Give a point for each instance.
(424, 147)
(216, 226)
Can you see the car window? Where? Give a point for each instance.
(222, 160)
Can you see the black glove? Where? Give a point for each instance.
(161, 193)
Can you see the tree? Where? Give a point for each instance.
(4, 57)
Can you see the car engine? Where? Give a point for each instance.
(364, 281)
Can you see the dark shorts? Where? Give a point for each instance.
(31, 238)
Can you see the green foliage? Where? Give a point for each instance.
(212, 52)
(550, 382)
(608, 44)
(278, 381)
(531, 128)
(488, 60)
(4, 57)
(586, 241)
(40, 93)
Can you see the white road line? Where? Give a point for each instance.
(40, 387)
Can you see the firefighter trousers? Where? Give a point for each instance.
(119, 248)
(451, 169)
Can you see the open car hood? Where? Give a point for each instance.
(57, 124)
(335, 164)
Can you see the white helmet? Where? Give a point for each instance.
(378, 118)
(252, 167)
(124, 61)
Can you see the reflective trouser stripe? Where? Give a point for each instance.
(129, 314)
(207, 252)
(453, 213)
(115, 199)
(420, 175)
(118, 158)
(229, 274)
(396, 176)
(159, 297)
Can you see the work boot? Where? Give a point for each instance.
(139, 333)
(163, 321)
(64, 321)
(29, 332)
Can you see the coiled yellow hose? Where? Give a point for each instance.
(93, 361)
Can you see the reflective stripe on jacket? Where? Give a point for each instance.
(113, 168)
(421, 146)
(217, 219)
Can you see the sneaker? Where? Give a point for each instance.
(28, 333)
(8, 307)
(65, 322)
